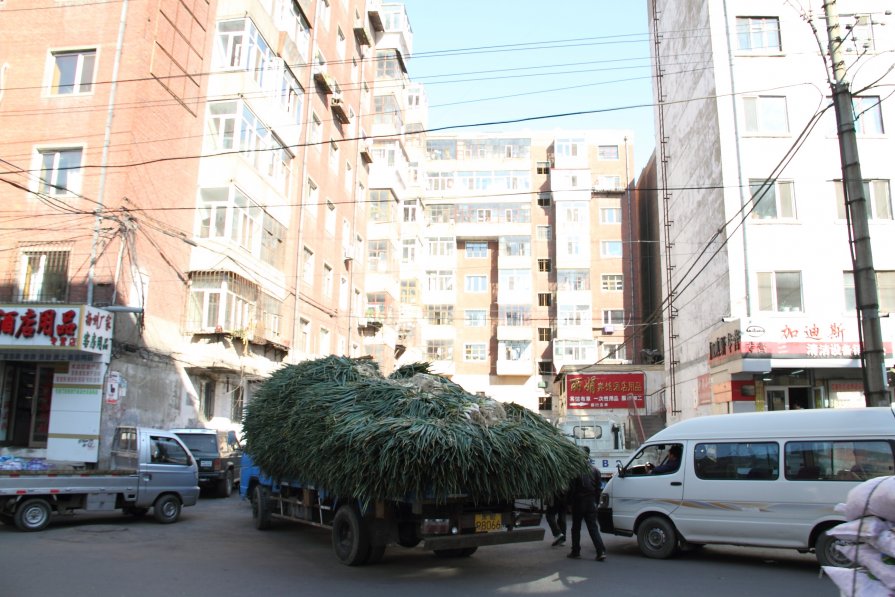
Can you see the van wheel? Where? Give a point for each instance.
(657, 538)
(166, 508)
(826, 553)
(33, 515)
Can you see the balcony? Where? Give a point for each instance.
(363, 35)
(325, 81)
(523, 366)
(339, 108)
(366, 151)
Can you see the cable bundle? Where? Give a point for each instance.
(337, 423)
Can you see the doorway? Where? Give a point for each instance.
(789, 398)
(28, 387)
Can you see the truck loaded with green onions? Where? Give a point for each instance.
(409, 459)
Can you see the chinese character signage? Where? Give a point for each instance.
(65, 327)
(797, 336)
(605, 390)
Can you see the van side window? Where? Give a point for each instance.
(737, 460)
(856, 460)
(164, 450)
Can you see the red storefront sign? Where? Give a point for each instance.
(605, 390)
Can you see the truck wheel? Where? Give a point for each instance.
(657, 538)
(33, 515)
(166, 508)
(376, 553)
(225, 485)
(351, 541)
(826, 553)
(261, 507)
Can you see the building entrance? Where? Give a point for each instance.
(25, 401)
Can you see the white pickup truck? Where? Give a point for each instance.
(150, 468)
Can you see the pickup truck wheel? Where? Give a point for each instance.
(225, 485)
(167, 509)
(33, 515)
(351, 541)
(657, 538)
(261, 507)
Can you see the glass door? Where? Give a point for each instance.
(776, 398)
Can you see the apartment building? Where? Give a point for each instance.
(521, 272)
(757, 275)
(185, 187)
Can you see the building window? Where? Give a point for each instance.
(60, 171)
(613, 316)
(612, 282)
(515, 315)
(779, 291)
(574, 315)
(610, 215)
(607, 152)
(73, 72)
(476, 283)
(475, 318)
(573, 279)
(476, 250)
(544, 199)
(440, 350)
(477, 351)
(772, 200)
(222, 301)
(766, 114)
(307, 273)
(544, 265)
(440, 314)
(442, 247)
(439, 281)
(327, 280)
(868, 115)
(876, 193)
(316, 130)
(758, 34)
(325, 342)
(543, 168)
(515, 246)
(612, 352)
(515, 280)
(545, 367)
(44, 276)
(408, 251)
(410, 209)
(409, 292)
(545, 299)
(885, 285)
(381, 205)
(611, 248)
(545, 334)
(543, 233)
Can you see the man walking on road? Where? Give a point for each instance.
(583, 495)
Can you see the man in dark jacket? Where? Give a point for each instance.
(583, 497)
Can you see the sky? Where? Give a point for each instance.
(486, 61)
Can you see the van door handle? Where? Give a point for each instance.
(676, 483)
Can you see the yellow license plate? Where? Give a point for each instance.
(485, 523)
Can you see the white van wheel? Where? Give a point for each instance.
(826, 553)
(657, 538)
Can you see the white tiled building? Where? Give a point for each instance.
(755, 246)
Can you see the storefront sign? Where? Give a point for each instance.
(605, 390)
(76, 328)
(796, 336)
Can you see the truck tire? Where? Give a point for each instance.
(657, 538)
(351, 539)
(376, 553)
(261, 507)
(225, 485)
(167, 508)
(33, 515)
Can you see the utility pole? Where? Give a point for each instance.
(873, 357)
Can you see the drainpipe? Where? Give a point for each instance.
(107, 141)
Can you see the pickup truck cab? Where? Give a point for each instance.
(150, 468)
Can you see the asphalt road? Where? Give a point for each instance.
(215, 550)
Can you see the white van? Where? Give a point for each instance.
(769, 479)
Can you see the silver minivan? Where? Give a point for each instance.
(769, 479)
